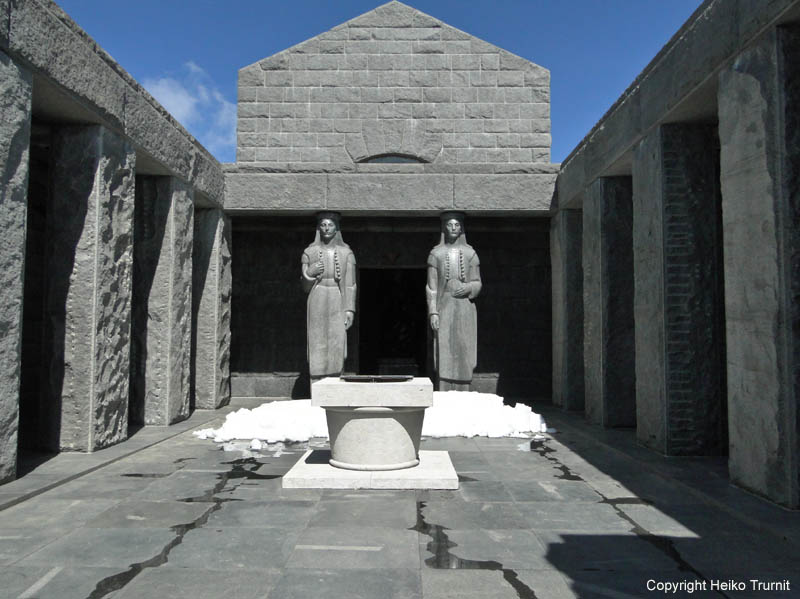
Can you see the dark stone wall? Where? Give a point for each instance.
(268, 346)
(38, 417)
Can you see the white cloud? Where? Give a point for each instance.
(195, 101)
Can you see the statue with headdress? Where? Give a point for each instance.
(329, 278)
(454, 281)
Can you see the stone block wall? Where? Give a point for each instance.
(394, 80)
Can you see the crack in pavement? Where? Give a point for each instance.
(238, 471)
(442, 559)
(663, 544)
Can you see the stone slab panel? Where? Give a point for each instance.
(162, 300)
(333, 392)
(567, 301)
(760, 191)
(390, 192)
(90, 254)
(312, 471)
(504, 192)
(15, 129)
(211, 309)
(268, 191)
(607, 303)
(648, 302)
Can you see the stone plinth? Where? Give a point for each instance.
(313, 471)
(373, 425)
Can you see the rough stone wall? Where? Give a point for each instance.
(393, 80)
(15, 128)
(607, 307)
(89, 295)
(758, 174)
(567, 302)
(693, 301)
(211, 309)
(268, 356)
(676, 174)
(162, 301)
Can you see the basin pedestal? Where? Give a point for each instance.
(374, 424)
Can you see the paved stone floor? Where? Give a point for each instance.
(585, 514)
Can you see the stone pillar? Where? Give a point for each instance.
(211, 309)
(608, 303)
(680, 344)
(567, 301)
(162, 301)
(89, 263)
(759, 129)
(15, 131)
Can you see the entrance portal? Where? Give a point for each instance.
(393, 333)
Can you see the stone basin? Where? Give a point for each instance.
(374, 422)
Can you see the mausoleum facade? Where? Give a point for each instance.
(649, 281)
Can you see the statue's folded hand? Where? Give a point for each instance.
(462, 291)
(315, 270)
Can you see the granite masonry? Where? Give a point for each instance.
(650, 280)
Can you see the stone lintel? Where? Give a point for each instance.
(760, 179)
(671, 84)
(567, 302)
(89, 266)
(43, 35)
(211, 309)
(409, 193)
(15, 127)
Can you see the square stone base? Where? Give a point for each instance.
(312, 471)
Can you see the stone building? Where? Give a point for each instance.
(650, 281)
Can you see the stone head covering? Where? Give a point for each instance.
(449, 215)
(336, 218)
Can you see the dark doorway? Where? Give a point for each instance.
(392, 328)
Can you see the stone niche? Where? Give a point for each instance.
(390, 334)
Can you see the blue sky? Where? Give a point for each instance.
(187, 52)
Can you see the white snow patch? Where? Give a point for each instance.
(453, 414)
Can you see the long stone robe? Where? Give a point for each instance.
(329, 297)
(456, 342)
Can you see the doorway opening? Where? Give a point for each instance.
(393, 331)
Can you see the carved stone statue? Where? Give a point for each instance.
(329, 278)
(454, 281)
